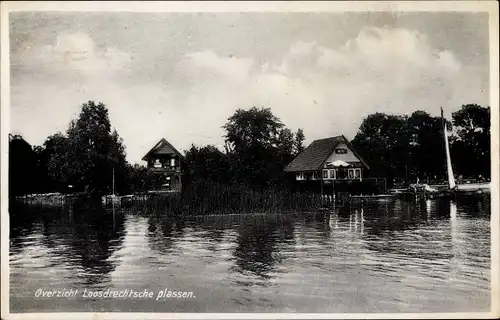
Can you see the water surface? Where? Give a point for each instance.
(382, 256)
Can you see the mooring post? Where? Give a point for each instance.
(321, 188)
(333, 190)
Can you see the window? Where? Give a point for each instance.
(300, 176)
(333, 173)
(325, 174)
(172, 162)
(357, 174)
(329, 174)
(341, 151)
(157, 163)
(315, 175)
(354, 174)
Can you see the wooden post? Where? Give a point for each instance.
(180, 174)
(321, 181)
(333, 187)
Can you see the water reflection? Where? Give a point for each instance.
(81, 237)
(260, 242)
(366, 257)
(163, 232)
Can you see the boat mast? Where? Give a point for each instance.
(451, 179)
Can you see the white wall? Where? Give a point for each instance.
(349, 156)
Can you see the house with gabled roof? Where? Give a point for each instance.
(166, 161)
(328, 160)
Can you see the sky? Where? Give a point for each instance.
(180, 76)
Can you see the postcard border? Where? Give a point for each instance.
(216, 6)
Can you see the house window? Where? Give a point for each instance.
(157, 163)
(354, 174)
(172, 162)
(315, 175)
(325, 174)
(300, 176)
(332, 173)
(329, 174)
(341, 151)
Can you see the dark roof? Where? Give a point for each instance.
(162, 147)
(314, 156)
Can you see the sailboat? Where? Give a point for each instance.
(452, 185)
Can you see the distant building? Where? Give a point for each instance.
(166, 161)
(328, 159)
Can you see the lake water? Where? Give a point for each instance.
(382, 256)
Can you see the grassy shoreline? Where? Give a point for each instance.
(199, 198)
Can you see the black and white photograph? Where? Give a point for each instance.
(249, 159)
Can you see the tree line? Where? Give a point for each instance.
(400, 147)
(257, 148)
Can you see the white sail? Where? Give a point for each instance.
(451, 178)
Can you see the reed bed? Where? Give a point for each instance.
(209, 198)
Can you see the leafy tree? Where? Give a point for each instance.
(471, 148)
(400, 146)
(22, 167)
(207, 163)
(285, 145)
(299, 142)
(254, 128)
(94, 150)
(383, 140)
(56, 152)
(258, 146)
(140, 178)
(427, 154)
(86, 156)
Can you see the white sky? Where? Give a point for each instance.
(181, 75)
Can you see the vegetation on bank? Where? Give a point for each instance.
(257, 148)
(209, 198)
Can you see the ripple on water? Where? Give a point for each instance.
(389, 257)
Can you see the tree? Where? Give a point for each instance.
(471, 148)
(383, 140)
(427, 154)
(299, 142)
(207, 163)
(139, 178)
(95, 150)
(258, 146)
(86, 157)
(22, 167)
(56, 152)
(251, 129)
(411, 147)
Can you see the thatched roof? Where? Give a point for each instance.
(161, 148)
(315, 155)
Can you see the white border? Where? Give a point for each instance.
(217, 6)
